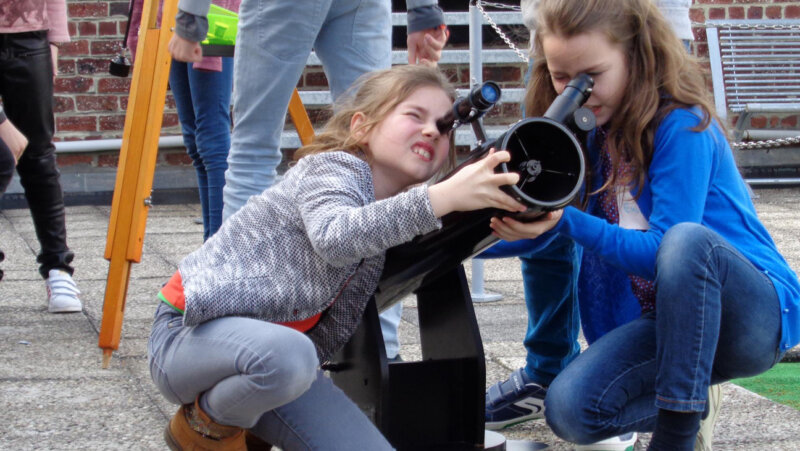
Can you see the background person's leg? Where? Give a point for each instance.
(211, 99)
(272, 46)
(7, 165)
(355, 39)
(27, 91)
(181, 92)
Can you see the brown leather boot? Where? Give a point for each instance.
(181, 436)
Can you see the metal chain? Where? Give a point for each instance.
(769, 143)
(501, 5)
(479, 4)
(745, 26)
(766, 144)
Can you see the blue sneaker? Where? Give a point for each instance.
(513, 401)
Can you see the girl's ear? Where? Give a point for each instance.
(356, 127)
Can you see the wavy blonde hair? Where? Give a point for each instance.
(375, 95)
(662, 74)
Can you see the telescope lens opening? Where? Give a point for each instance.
(549, 161)
(490, 92)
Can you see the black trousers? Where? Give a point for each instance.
(26, 86)
(6, 172)
(6, 166)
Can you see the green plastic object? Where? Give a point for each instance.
(222, 25)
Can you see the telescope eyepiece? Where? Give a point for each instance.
(446, 124)
(574, 95)
(480, 100)
(485, 95)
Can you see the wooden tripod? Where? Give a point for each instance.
(137, 160)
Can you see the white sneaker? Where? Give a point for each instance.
(624, 442)
(62, 293)
(706, 433)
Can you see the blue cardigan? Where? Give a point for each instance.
(692, 178)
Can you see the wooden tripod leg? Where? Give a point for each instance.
(134, 182)
(300, 119)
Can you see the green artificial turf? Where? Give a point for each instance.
(780, 384)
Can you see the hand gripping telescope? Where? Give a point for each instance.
(438, 403)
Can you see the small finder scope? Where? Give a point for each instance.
(480, 100)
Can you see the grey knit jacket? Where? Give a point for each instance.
(315, 242)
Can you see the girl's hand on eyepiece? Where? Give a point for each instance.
(509, 229)
(476, 186)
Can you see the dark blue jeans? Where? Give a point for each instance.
(717, 318)
(551, 337)
(203, 100)
(549, 276)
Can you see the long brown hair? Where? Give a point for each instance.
(375, 95)
(662, 74)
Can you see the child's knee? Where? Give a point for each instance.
(681, 238)
(294, 368)
(561, 412)
(568, 415)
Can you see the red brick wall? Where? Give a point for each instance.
(736, 10)
(90, 104)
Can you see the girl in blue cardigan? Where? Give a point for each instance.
(666, 205)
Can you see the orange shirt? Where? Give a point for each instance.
(172, 294)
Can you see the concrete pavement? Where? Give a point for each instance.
(54, 394)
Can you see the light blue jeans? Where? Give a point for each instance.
(259, 376)
(717, 318)
(350, 37)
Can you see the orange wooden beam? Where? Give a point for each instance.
(138, 154)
